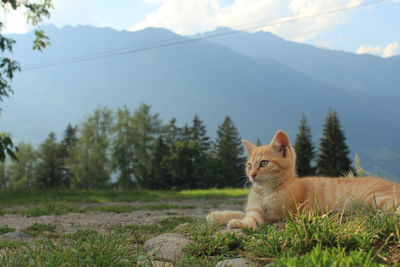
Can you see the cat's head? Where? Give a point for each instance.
(271, 164)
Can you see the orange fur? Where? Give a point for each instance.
(277, 189)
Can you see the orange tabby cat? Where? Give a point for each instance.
(275, 188)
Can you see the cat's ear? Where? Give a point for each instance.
(280, 143)
(248, 145)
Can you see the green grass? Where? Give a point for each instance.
(362, 239)
(10, 244)
(39, 229)
(56, 208)
(5, 229)
(126, 208)
(102, 196)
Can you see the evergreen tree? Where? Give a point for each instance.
(258, 142)
(22, 171)
(199, 133)
(305, 150)
(333, 157)
(123, 153)
(160, 177)
(171, 132)
(145, 130)
(89, 159)
(185, 133)
(50, 171)
(70, 139)
(187, 165)
(229, 152)
(68, 143)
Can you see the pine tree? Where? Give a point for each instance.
(199, 133)
(171, 132)
(50, 171)
(89, 159)
(258, 142)
(305, 150)
(70, 139)
(159, 178)
(229, 152)
(22, 171)
(333, 157)
(145, 130)
(187, 165)
(123, 154)
(68, 143)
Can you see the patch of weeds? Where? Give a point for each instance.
(329, 257)
(57, 208)
(129, 208)
(39, 229)
(5, 229)
(140, 233)
(208, 243)
(88, 248)
(303, 232)
(10, 244)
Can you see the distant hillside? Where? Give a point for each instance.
(366, 73)
(261, 94)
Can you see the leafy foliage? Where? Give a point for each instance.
(36, 11)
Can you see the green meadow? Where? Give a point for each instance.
(361, 239)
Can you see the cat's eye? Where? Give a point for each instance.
(248, 165)
(264, 163)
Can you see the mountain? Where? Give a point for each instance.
(261, 94)
(366, 73)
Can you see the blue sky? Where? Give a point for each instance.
(372, 29)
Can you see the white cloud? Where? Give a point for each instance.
(389, 50)
(14, 21)
(65, 12)
(194, 16)
(365, 49)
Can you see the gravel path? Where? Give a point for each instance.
(96, 220)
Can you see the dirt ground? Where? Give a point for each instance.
(96, 220)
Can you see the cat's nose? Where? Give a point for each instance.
(253, 175)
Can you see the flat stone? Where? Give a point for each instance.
(16, 235)
(238, 262)
(167, 247)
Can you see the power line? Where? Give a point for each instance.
(179, 41)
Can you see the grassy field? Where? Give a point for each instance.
(362, 239)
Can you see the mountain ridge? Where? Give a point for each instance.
(194, 78)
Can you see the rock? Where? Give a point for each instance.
(167, 247)
(238, 262)
(236, 232)
(16, 235)
(46, 217)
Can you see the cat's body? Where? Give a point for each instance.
(277, 190)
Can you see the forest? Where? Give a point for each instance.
(136, 150)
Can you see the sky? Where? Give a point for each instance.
(370, 29)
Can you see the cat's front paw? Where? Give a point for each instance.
(240, 224)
